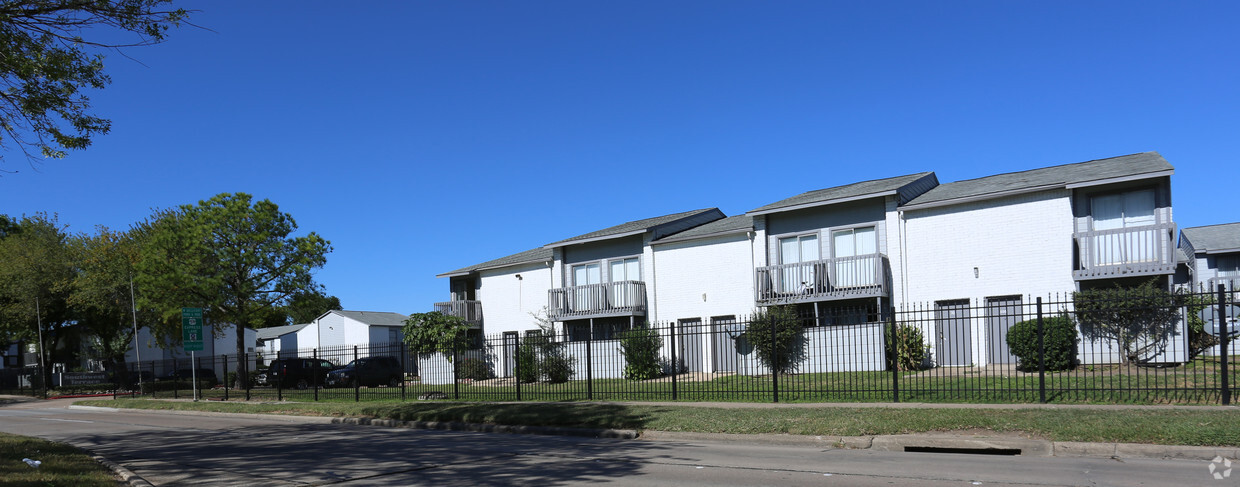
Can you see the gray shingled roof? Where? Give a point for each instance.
(1047, 178)
(635, 226)
(845, 192)
(1214, 237)
(732, 224)
(533, 255)
(374, 317)
(277, 331)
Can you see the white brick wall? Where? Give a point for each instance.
(1020, 245)
(507, 302)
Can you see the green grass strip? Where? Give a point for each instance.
(62, 465)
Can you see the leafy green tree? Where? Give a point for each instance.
(45, 62)
(234, 257)
(305, 306)
(36, 273)
(778, 338)
(102, 295)
(435, 332)
(640, 347)
(1139, 320)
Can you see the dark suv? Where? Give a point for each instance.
(369, 371)
(298, 373)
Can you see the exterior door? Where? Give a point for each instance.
(619, 270)
(797, 254)
(953, 338)
(1001, 314)
(848, 245)
(511, 339)
(586, 297)
(691, 336)
(1124, 211)
(723, 347)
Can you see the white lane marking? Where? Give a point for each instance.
(67, 420)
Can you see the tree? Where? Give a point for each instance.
(102, 293)
(45, 62)
(434, 332)
(36, 273)
(229, 255)
(305, 306)
(777, 337)
(1139, 320)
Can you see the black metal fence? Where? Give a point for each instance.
(1129, 349)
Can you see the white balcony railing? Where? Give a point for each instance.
(1123, 252)
(622, 298)
(470, 310)
(821, 280)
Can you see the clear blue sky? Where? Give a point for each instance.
(420, 137)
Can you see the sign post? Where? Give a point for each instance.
(191, 339)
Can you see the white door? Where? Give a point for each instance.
(587, 297)
(620, 270)
(1128, 211)
(798, 255)
(851, 269)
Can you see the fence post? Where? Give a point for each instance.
(1041, 356)
(675, 363)
(403, 365)
(245, 362)
(1224, 337)
(516, 361)
(176, 380)
(590, 365)
(357, 382)
(456, 375)
(225, 377)
(774, 360)
(895, 359)
(317, 373)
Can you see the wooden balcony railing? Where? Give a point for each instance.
(1125, 252)
(621, 298)
(822, 280)
(470, 310)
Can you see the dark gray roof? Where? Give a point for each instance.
(277, 331)
(382, 318)
(732, 224)
(661, 225)
(1214, 237)
(843, 193)
(533, 255)
(1131, 166)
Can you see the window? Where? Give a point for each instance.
(587, 298)
(1122, 211)
(797, 254)
(1228, 265)
(587, 274)
(855, 262)
(620, 270)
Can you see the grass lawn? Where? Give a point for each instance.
(1202, 427)
(63, 465)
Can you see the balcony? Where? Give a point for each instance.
(862, 276)
(621, 298)
(1125, 252)
(469, 310)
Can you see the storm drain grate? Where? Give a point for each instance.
(968, 451)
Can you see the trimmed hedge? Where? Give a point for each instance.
(474, 369)
(1060, 343)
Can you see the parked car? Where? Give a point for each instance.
(297, 373)
(206, 375)
(369, 371)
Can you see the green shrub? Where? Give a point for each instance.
(910, 344)
(474, 369)
(1060, 342)
(777, 336)
(640, 347)
(540, 356)
(557, 367)
(1141, 320)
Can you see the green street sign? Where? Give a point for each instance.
(191, 329)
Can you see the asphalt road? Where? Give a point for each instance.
(177, 449)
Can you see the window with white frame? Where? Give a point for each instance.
(854, 250)
(797, 254)
(618, 271)
(585, 296)
(1128, 210)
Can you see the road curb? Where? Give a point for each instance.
(492, 428)
(126, 475)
